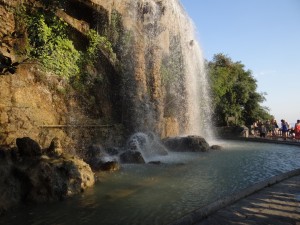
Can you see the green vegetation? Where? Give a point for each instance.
(49, 44)
(234, 92)
(97, 42)
(51, 47)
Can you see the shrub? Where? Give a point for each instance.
(50, 45)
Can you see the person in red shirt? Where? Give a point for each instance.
(297, 130)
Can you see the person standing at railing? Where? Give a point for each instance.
(275, 128)
(297, 130)
(284, 129)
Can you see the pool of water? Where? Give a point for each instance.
(159, 194)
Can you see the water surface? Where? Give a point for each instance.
(159, 194)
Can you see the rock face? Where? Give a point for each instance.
(132, 157)
(42, 105)
(145, 92)
(233, 131)
(187, 144)
(28, 176)
(100, 159)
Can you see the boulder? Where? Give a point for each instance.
(158, 148)
(138, 141)
(155, 162)
(28, 147)
(11, 190)
(39, 179)
(56, 179)
(233, 131)
(94, 151)
(132, 157)
(99, 159)
(186, 144)
(110, 166)
(55, 148)
(3, 153)
(147, 143)
(112, 151)
(216, 147)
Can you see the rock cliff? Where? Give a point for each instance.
(140, 86)
(42, 105)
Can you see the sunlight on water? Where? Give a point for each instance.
(158, 194)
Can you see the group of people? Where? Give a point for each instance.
(271, 128)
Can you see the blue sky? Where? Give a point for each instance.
(264, 35)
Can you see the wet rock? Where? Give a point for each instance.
(186, 144)
(110, 166)
(233, 131)
(93, 156)
(216, 147)
(155, 162)
(55, 148)
(132, 157)
(112, 151)
(98, 158)
(2, 153)
(94, 151)
(159, 149)
(56, 179)
(11, 190)
(149, 144)
(40, 179)
(28, 147)
(138, 141)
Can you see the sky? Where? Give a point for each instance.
(264, 35)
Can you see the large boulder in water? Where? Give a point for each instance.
(148, 144)
(132, 157)
(187, 144)
(27, 177)
(99, 159)
(110, 166)
(54, 179)
(216, 147)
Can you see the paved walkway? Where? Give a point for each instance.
(278, 204)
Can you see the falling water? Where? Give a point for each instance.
(198, 95)
(165, 78)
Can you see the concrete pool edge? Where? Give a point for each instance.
(201, 213)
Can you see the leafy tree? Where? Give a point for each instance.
(234, 92)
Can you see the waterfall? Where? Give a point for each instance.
(165, 87)
(198, 103)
